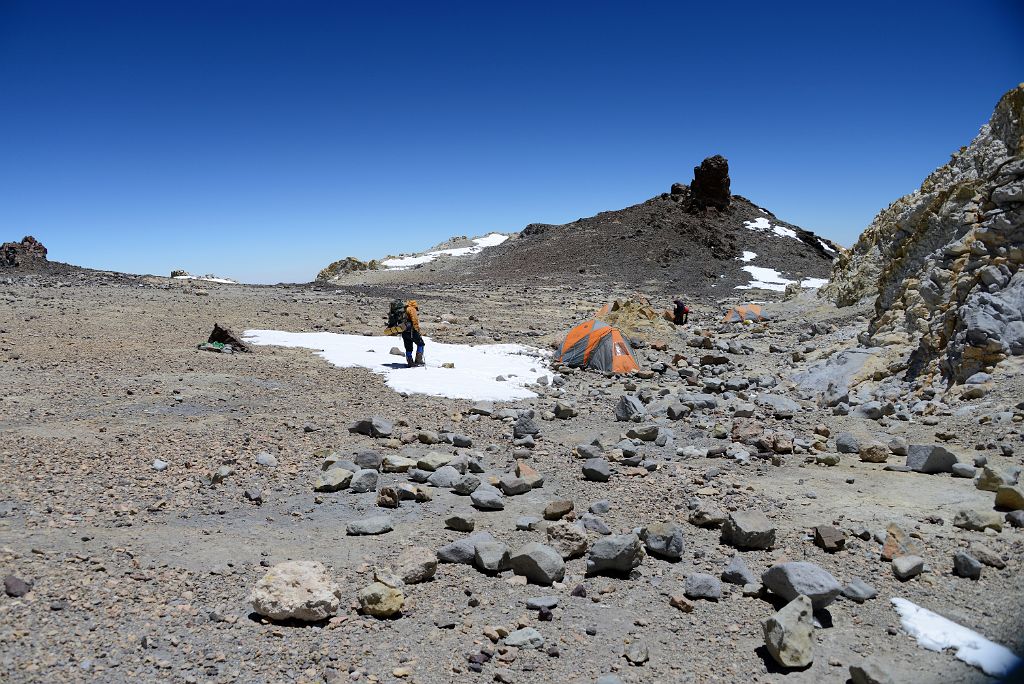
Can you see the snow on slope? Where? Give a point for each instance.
(770, 279)
(404, 262)
(937, 633)
(207, 278)
(762, 225)
(473, 376)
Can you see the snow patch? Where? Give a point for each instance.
(762, 225)
(473, 376)
(937, 633)
(402, 263)
(825, 246)
(748, 256)
(770, 279)
(207, 278)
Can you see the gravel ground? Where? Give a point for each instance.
(144, 575)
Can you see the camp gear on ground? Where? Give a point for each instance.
(743, 313)
(597, 345)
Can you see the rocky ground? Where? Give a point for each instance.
(149, 486)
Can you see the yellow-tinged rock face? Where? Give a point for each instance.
(380, 600)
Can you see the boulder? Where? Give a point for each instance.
(930, 459)
(363, 481)
(462, 550)
(978, 521)
(796, 578)
(568, 539)
(873, 452)
(618, 553)
(373, 427)
(491, 557)
(296, 590)
(664, 540)
(787, 634)
(380, 600)
(702, 586)
(738, 573)
(907, 567)
(628, 407)
(748, 530)
(540, 564)
(596, 470)
(333, 480)
(1010, 498)
(416, 564)
(966, 565)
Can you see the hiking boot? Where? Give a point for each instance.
(408, 360)
(419, 358)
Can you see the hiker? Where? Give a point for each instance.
(404, 320)
(681, 314)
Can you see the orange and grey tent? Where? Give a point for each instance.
(597, 345)
(744, 312)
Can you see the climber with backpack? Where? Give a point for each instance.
(404, 320)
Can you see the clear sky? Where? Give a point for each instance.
(262, 140)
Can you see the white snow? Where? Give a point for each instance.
(473, 377)
(208, 279)
(748, 256)
(825, 246)
(936, 633)
(770, 279)
(401, 263)
(762, 225)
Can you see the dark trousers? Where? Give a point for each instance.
(409, 336)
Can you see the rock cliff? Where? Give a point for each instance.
(944, 261)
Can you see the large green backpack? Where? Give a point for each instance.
(396, 314)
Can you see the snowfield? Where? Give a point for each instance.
(402, 263)
(208, 279)
(473, 376)
(770, 279)
(937, 633)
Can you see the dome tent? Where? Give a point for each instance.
(744, 313)
(597, 345)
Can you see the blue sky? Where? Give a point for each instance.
(262, 140)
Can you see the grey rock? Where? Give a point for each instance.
(511, 485)
(364, 481)
(377, 524)
(368, 460)
(628, 407)
(592, 523)
(748, 530)
(491, 556)
(737, 572)
(930, 458)
(664, 540)
(964, 470)
(539, 602)
(466, 485)
(333, 480)
(266, 459)
(596, 470)
(797, 578)
(703, 586)
(870, 672)
(524, 426)
(540, 564)
(373, 427)
(463, 550)
(859, 591)
(444, 477)
(779, 406)
(618, 553)
(460, 522)
(487, 498)
(907, 567)
(527, 637)
(846, 443)
(966, 565)
(600, 507)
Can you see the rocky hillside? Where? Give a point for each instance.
(696, 238)
(943, 262)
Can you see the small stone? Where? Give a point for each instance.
(15, 587)
(266, 459)
(540, 564)
(966, 565)
(928, 458)
(527, 637)
(377, 524)
(703, 586)
(978, 521)
(596, 470)
(664, 540)
(870, 672)
(787, 634)
(899, 543)
(748, 530)
(681, 602)
(846, 443)
(487, 498)
(636, 652)
(737, 572)
(873, 452)
(380, 600)
(964, 470)
(829, 538)
(363, 481)
(618, 553)
(859, 591)
(373, 427)
(388, 497)
(159, 466)
(568, 539)
(463, 550)
(907, 567)
(416, 564)
(556, 510)
(460, 522)
(987, 556)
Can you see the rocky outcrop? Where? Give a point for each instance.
(944, 261)
(28, 252)
(710, 186)
(346, 265)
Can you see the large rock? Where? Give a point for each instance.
(380, 600)
(569, 539)
(1010, 498)
(664, 540)
(628, 407)
(618, 553)
(991, 479)
(296, 590)
(710, 186)
(22, 254)
(376, 524)
(540, 564)
(789, 580)
(491, 556)
(943, 264)
(333, 480)
(787, 634)
(596, 470)
(930, 458)
(373, 427)
(463, 550)
(748, 530)
(416, 564)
